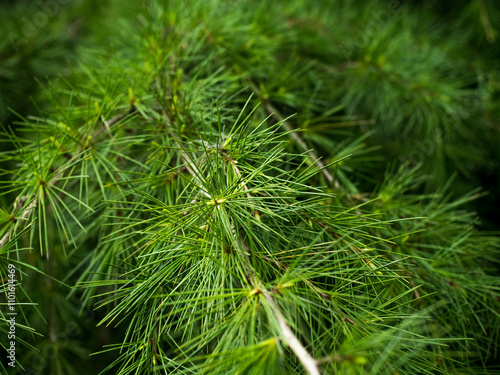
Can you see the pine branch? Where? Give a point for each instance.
(177, 250)
(302, 354)
(20, 200)
(245, 187)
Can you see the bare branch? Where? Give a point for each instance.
(309, 363)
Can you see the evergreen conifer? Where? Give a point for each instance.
(252, 187)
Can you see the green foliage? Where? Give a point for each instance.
(37, 43)
(207, 191)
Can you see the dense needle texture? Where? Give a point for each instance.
(251, 187)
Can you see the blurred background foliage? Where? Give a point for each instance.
(390, 84)
(39, 40)
(421, 78)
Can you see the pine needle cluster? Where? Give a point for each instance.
(209, 194)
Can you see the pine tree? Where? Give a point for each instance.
(210, 193)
